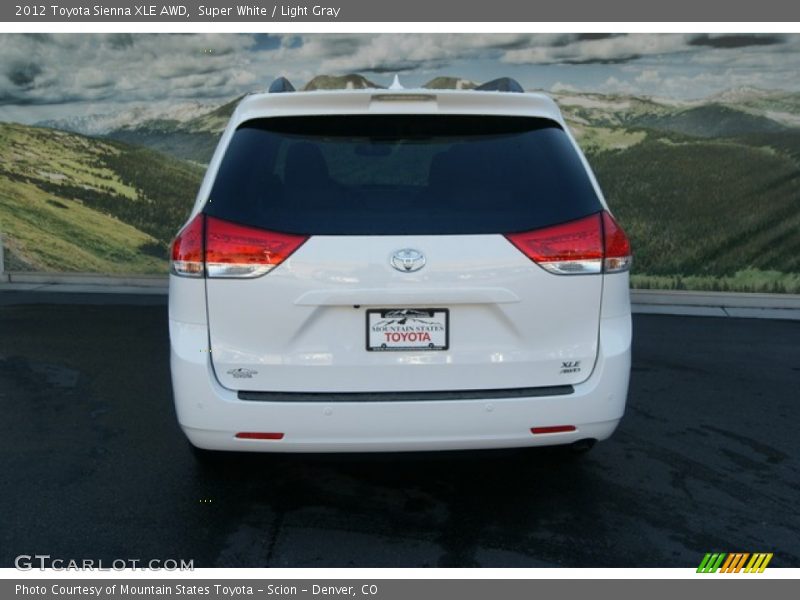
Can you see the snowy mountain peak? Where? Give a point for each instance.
(131, 117)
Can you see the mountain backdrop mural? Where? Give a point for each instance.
(708, 188)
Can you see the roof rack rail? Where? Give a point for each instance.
(281, 85)
(502, 84)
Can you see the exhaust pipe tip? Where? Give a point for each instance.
(582, 446)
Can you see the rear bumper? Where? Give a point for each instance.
(211, 415)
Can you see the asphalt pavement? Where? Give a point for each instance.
(94, 466)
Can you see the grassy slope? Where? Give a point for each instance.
(72, 203)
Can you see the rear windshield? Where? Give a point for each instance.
(409, 174)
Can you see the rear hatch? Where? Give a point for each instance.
(393, 255)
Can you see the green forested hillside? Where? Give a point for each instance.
(716, 214)
(72, 203)
(709, 193)
(710, 121)
(193, 140)
(197, 147)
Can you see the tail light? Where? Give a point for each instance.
(238, 251)
(220, 249)
(618, 255)
(593, 244)
(187, 250)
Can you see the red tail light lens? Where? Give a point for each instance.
(567, 249)
(618, 249)
(217, 248)
(187, 250)
(234, 250)
(589, 245)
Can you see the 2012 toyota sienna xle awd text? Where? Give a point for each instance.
(390, 270)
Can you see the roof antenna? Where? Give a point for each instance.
(396, 85)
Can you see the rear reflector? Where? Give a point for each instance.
(585, 246)
(257, 435)
(552, 429)
(217, 248)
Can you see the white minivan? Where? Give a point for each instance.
(399, 270)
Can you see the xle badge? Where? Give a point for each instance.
(570, 366)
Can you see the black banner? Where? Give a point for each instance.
(467, 11)
(732, 588)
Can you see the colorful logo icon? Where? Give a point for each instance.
(721, 562)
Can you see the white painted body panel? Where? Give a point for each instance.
(302, 327)
(211, 415)
(512, 324)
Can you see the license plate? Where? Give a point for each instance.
(407, 329)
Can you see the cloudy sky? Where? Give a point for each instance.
(45, 76)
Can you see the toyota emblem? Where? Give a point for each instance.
(408, 260)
